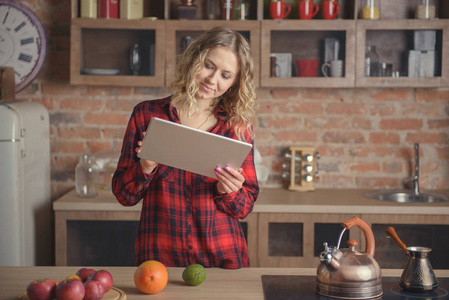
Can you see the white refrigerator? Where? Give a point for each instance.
(25, 202)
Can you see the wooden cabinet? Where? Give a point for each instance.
(293, 240)
(100, 52)
(414, 230)
(99, 231)
(286, 229)
(177, 30)
(100, 46)
(304, 41)
(296, 240)
(393, 40)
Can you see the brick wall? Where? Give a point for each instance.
(365, 136)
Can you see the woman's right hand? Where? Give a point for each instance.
(147, 165)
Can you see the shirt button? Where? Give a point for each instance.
(190, 247)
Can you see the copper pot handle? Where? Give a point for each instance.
(390, 232)
(369, 236)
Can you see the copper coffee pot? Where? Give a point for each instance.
(418, 275)
(348, 273)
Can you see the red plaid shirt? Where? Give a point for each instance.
(184, 219)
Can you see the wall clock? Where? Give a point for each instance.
(23, 42)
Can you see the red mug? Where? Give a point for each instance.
(307, 67)
(307, 9)
(330, 9)
(108, 9)
(279, 9)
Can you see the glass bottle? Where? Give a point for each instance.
(239, 12)
(371, 61)
(135, 59)
(371, 10)
(211, 9)
(425, 9)
(227, 7)
(86, 173)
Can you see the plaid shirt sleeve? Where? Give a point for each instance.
(184, 220)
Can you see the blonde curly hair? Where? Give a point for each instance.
(239, 102)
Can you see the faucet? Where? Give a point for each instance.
(415, 178)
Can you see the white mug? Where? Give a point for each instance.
(335, 67)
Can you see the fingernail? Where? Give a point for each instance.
(219, 170)
(228, 169)
(216, 173)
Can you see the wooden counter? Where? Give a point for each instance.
(282, 206)
(348, 201)
(219, 284)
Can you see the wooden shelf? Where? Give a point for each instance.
(397, 30)
(177, 29)
(105, 43)
(302, 38)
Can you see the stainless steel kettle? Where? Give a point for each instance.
(348, 273)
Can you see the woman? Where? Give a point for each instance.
(188, 218)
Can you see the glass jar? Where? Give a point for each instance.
(227, 9)
(86, 173)
(88, 9)
(371, 61)
(239, 12)
(371, 10)
(131, 9)
(425, 9)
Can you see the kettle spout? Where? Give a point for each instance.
(328, 259)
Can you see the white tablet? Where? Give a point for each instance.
(190, 149)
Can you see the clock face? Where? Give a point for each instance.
(23, 43)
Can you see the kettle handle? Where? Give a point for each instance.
(369, 236)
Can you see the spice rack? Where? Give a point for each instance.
(301, 177)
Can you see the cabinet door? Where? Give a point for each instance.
(414, 230)
(304, 43)
(394, 41)
(249, 225)
(84, 237)
(101, 243)
(100, 52)
(294, 240)
(178, 31)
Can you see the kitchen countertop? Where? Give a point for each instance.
(348, 201)
(219, 284)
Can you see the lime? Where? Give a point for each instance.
(194, 274)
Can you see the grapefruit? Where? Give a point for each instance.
(194, 274)
(151, 277)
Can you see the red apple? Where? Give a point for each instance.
(41, 289)
(84, 272)
(104, 277)
(70, 289)
(94, 290)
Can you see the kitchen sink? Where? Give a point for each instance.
(414, 195)
(407, 196)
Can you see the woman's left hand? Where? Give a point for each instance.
(229, 180)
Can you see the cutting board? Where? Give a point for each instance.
(113, 294)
